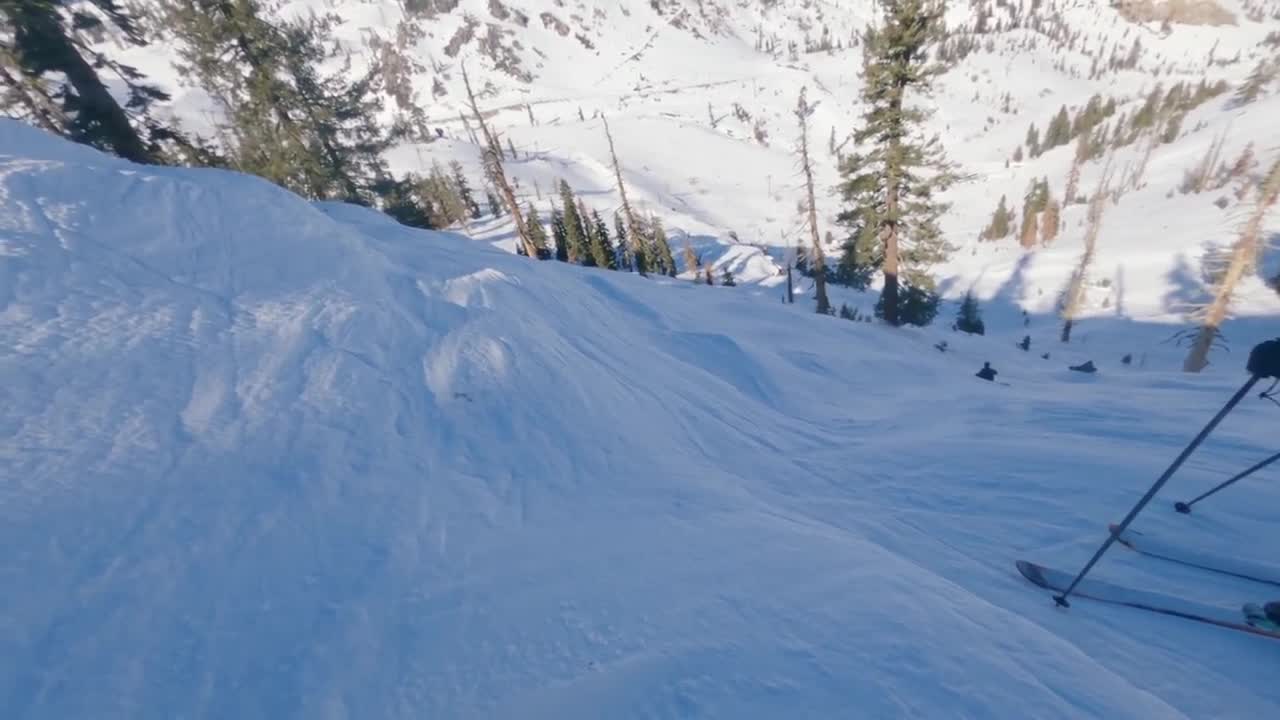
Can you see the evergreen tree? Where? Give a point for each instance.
(601, 247)
(625, 260)
(969, 317)
(665, 262)
(559, 235)
(1033, 141)
(316, 134)
(443, 195)
(402, 201)
(1000, 222)
(50, 77)
(495, 207)
(577, 247)
(1059, 131)
(1263, 74)
(726, 278)
(537, 233)
(890, 191)
(463, 190)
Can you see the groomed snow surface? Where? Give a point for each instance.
(261, 458)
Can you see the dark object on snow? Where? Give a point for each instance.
(987, 372)
(1086, 367)
(1127, 359)
(1026, 343)
(1264, 359)
(1045, 356)
(1116, 532)
(439, 132)
(942, 346)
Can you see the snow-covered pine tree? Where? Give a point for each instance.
(890, 191)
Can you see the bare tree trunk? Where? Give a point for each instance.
(493, 155)
(1243, 256)
(819, 260)
(635, 235)
(889, 226)
(1074, 299)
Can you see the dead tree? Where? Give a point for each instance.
(1073, 299)
(635, 232)
(493, 160)
(1243, 256)
(818, 263)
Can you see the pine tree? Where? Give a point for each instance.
(495, 207)
(314, 134)
(890, 191)
(1059, 131)
(403, 201)
(601, 247)
(1000, 222)
(559, 235)
(969, 316)
(463, 190)
(575, 233)
(444, 196)
(1263, 74)
(1033, 141)
(726, 278)
(51, 77)
(537, 233)
(626, 261)
(665, 261)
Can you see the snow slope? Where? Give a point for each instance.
(264, 458)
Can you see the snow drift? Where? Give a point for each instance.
(267, 458)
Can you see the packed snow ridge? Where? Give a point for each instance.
(266, 458)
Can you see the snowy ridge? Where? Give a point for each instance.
(264, 458)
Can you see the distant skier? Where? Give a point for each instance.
(987, 372)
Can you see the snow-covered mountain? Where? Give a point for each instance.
(702, 95)
(263, 458)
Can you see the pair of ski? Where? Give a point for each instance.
(1251, 620)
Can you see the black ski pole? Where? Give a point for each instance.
(1061, 600)
(1185, 507)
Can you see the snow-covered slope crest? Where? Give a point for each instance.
(264, 458)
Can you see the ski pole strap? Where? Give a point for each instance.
(1061, 600)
